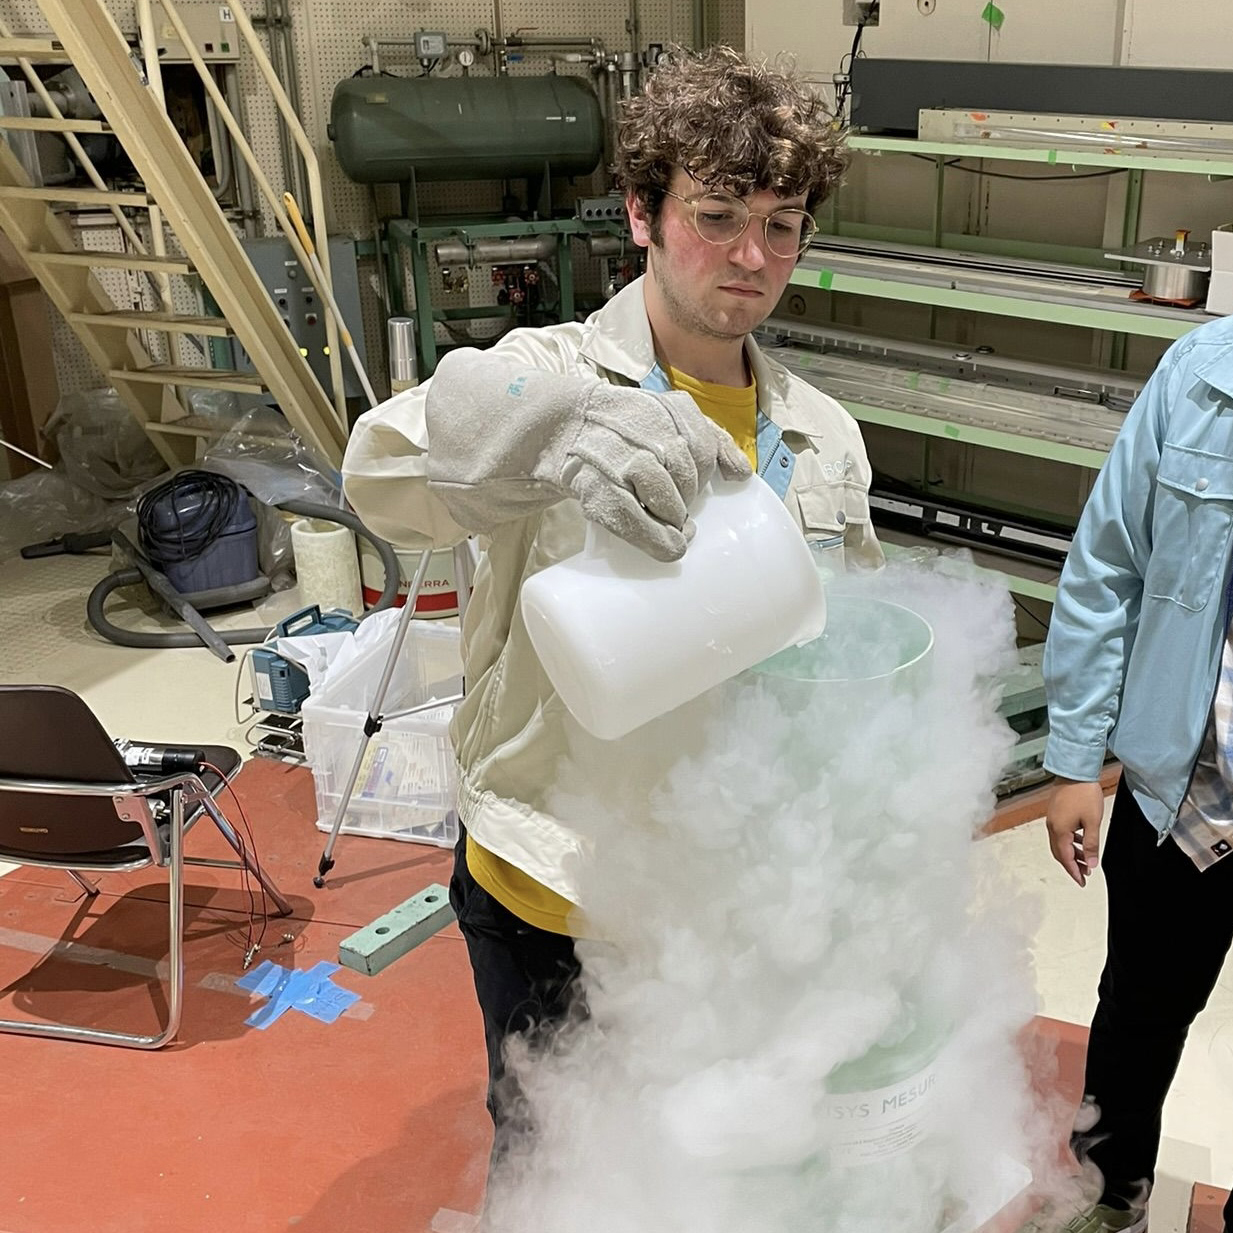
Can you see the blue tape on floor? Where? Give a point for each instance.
(311, 992)
(263, 979)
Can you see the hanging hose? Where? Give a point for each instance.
(236, 637)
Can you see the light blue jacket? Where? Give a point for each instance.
(1139, 623)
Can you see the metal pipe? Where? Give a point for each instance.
(63, 102)
(628, 67)
(495, 252)
(373, 42)
(292, 176)
(383, 274)
(498, 39)
(220, 144)
(299, 168)
(607, 245)
(275, 53)
(699, 24)
(549, 40)
(608, 87)
(634, 25)
(245, 192)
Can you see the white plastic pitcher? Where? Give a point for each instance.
(625, 638)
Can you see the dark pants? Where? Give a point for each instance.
(526, 983)
(1170, 926)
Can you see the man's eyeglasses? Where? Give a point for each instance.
(720, 218)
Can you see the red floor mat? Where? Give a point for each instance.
(375, 1123)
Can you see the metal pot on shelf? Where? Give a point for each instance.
(1175, 270)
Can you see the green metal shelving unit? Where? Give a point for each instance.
(1143, 320)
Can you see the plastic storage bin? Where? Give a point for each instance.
(407, 787)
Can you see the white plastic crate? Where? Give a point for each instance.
(407, 787)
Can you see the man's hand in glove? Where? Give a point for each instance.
(636, 460)
(506, 440)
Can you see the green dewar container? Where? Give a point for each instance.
(873, 654)
(464, 128)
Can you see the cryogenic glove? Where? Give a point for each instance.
(506, 440)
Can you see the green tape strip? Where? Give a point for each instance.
(825, 278)
(1052, 156)
(993, 15)
(951, 431)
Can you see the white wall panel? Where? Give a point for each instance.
(1046, 31)
(1165, 34)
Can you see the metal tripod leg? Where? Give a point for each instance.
(372, 724)
(464, 571)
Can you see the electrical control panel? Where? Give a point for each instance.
(211, 27)
(302, 308)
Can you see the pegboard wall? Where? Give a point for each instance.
(328, 41)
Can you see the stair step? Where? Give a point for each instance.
(193, 426)
(114, 261)
(74, 196)
(38, 51)
(171, 323)
(209, 378)
(46, 124)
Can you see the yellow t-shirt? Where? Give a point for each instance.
(731, 407)
(735, 410)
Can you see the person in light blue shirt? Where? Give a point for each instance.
(1139, 663)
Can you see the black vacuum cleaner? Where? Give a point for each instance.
(197, 551)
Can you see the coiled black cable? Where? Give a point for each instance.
(179, 519)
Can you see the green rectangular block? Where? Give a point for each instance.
(400, 930)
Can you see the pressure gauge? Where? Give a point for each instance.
(466, 57)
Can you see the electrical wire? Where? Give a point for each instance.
(180, 518)
(253, 940)
(1027, 612)
(1008, 175)
(844, 88)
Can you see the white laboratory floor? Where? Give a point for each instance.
(188, 695)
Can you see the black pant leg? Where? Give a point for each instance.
(525, 982)
(1170, 926)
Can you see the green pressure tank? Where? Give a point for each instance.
(464, 128)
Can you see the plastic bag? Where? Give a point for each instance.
(264, 453)
(45, 504)
(103, 448)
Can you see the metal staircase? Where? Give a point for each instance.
(130, 98)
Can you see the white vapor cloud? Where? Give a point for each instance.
(782, 882)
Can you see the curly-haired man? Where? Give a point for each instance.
(619, 419)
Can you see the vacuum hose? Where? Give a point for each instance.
(236, 637)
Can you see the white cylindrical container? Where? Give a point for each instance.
(438, 595)
(327, 568)
(624, 638)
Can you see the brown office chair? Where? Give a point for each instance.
(68, 801)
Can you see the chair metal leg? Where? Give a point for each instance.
(86, 885)
(175, 963)
(246, 858)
